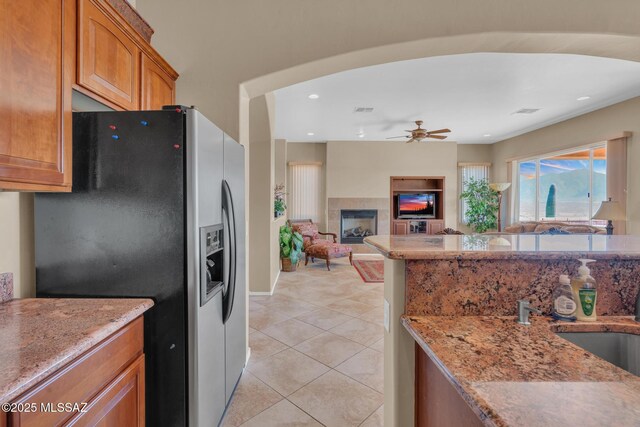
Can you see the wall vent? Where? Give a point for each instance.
(526, 111)
(363, 110)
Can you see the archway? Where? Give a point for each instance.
(398, 392)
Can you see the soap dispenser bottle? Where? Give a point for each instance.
(564, 304)
(585, 293)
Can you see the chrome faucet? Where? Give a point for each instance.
(523, 312)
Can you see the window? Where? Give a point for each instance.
(566, 187)
(305, 189)
(478, 171)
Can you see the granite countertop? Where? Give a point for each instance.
(515, 375)
(506, 246)
(40, 335)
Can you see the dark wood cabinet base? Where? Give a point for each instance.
(438, 403)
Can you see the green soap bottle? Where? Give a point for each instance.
(585, 293)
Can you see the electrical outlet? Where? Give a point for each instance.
(386, 315)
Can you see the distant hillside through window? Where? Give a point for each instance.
(567, 187)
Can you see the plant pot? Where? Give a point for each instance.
(287, 265)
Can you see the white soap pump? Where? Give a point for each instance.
(584, 292)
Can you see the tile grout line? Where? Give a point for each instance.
(300, 298)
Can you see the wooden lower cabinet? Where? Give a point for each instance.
(436, 226)
(121, 403)
(417, 226)
(438, 403)
(400, 227)
(106, 383)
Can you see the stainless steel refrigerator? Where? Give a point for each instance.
(157, 211)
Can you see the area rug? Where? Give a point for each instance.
(371, 271)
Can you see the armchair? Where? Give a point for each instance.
(316, 247)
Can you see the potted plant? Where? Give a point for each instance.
(290, 248)
(278, 201)
(482, 205)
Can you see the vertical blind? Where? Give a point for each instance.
(478, 171)
(305, 188)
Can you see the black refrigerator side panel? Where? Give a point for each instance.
(121, 233)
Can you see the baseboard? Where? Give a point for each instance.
(260, 294)
(275, 282)
(270, 293)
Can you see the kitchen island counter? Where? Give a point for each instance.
(485, 275)
(515, 375)
(505, 246)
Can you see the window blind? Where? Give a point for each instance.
(478, 171)
(305, 188)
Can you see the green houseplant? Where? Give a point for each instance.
(481, 205)
(290, 248)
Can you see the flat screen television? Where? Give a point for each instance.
(417, 205)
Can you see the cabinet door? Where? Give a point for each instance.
(438, 404)
(400, 227)
(158, 88)
(121, 403)
(108, 59)
(37, 43)
(435, 226)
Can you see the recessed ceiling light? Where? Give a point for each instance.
(314, 96)
(584, 98)
(361, 135)
(310, 133)
(486, 135)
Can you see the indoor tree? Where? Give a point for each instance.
(481, 205)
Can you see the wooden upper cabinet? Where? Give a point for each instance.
(37, 65)
(116, 65)
(158, 88)
(108, 59)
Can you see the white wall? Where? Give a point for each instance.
(475, 153)
(590, 128)
(16, 241)
(217, 45)
(363, 169)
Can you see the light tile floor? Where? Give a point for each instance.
(316, 352)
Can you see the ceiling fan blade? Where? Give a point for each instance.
(437, 136)
(403, 136)
(412, 140)
(439, 131)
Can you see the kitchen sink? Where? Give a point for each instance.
(622, 350)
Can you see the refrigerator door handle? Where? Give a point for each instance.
(229, 213)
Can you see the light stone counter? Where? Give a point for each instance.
(485, 275)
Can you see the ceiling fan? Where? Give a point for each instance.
(419, 133)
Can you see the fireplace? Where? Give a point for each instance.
(356, 224)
